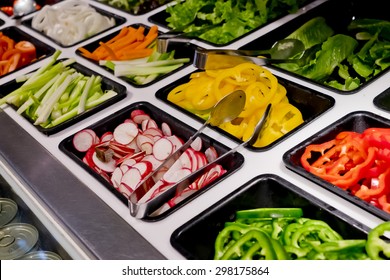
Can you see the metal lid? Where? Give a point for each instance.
(16, 240)
(8, 210)
(40, 255)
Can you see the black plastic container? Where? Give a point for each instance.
(338, 14)
(355, 121)
(181, 51)
(311, 103)
(160, 19)
(231, 163)
(42, 50)
(263, 191)
(148, 6)
(382, 101)
(118, 21)
(107, 84)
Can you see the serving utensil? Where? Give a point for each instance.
(227, 109)
(140, 208)
(23, 7)
(212, 59)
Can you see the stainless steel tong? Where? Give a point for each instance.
(210, 59)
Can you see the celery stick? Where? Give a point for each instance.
(49, 92)
(129, 71)
(89, 104)
(44, 115)
(37, 95)
(84, 95)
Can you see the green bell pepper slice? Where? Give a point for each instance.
(269, 213)
(377, 247)
(261, 247)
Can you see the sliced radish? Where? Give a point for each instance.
(186, 159)
(166, 129)
(141, 139)
(125, 190)
(107, 136)
(152, 124)
(139, 117)
(153, 132)
(197, 144)
(193, 164)
(131, 178)
(174, 177)
(108, 166)
(211, 154)
(152, 159)
(129, 121)
(162, 149)
(116, 177)
(124, 133)
(177, 142)
(83, 140)
(144, 167)
(88, 157)
(128, 161)
(124, 168)
(144, 124)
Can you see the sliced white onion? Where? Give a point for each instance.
(70, 22)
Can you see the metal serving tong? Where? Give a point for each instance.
(223, 58)
(140, 208)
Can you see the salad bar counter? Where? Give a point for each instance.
(99, 122)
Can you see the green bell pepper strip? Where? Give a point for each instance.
(349, 245)
(227, 237)
(261, 248)
(304, 234)
(269, 213)
(377, 247)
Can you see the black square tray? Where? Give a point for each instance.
(106, 85)
(263, 191)
(181, 51)
(338, 14)
(118, 21)
(356, 121)
(159, 18)
(312, 104)
(231, 163)
(42, 50)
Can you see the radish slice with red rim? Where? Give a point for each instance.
(131, 178)
(83, 140)
(197, 144)
(105, 166)
(166, 129)
(162, 149)
(124, 133)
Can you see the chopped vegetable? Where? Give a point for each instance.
(70, 22)
(231, 19)
(345, 61)
(136, 7)
(293, 237)
(261, 87)
(15, 54)
(56, 93)
(131, 54)
(356, 162)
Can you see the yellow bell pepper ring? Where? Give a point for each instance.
(284, 118)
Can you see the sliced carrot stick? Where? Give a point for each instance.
(136, 54)
(111, 53)
(147, 41)
(88, 54)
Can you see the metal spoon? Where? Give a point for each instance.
(141, 209)
(227, 109)
(23, 7)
